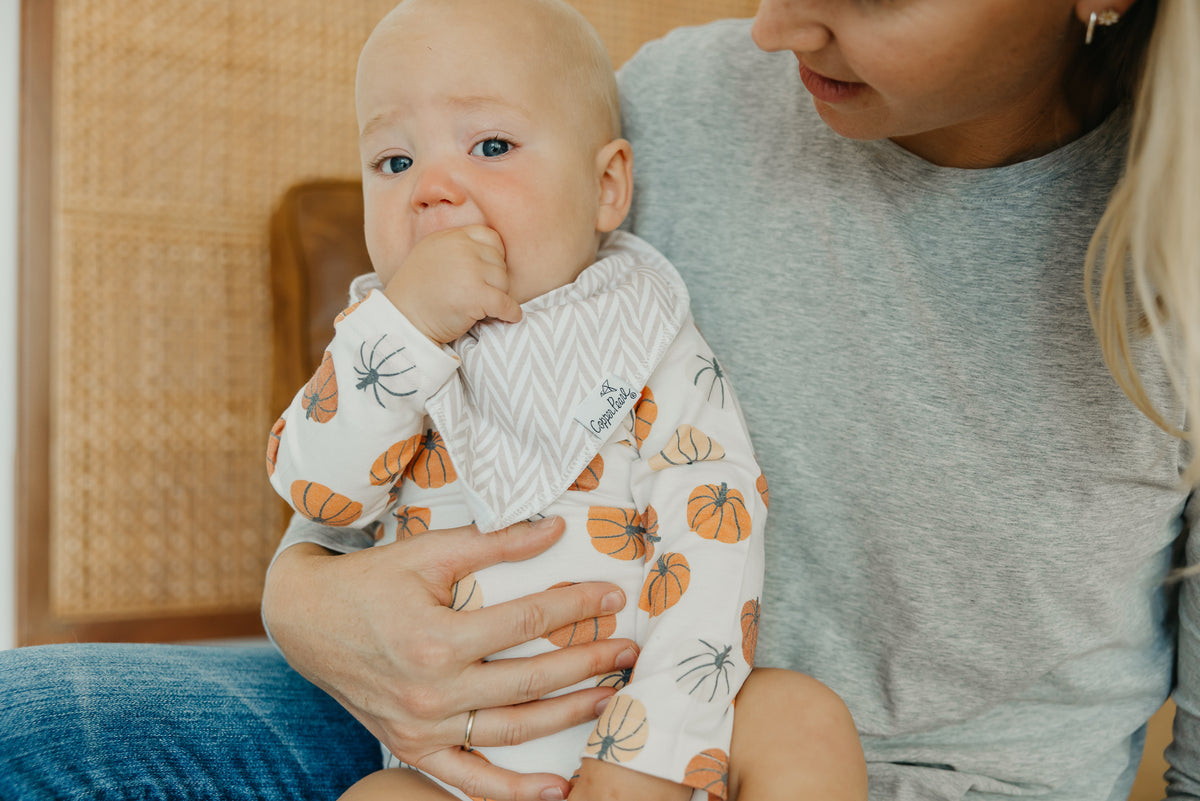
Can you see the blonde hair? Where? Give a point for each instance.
(1147, 245)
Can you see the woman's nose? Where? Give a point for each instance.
(796, 25)
(435, 185)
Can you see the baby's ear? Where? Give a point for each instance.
(614, 166)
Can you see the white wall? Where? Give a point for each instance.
(9, 42)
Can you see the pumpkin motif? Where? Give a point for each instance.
(708, 771)
(344, 313)
(466, 594)
(392, 463)
(273, 445)
(621, 732)
(430, 467)
(411, 521)
(665, 584)
(750, 613)
(589, 479)
(322, 505)
(645, 412)
(617, 679)
(320, 398)
(763, 490)
(687, 445)
(718, 513)
(650, 535)
(617, 532)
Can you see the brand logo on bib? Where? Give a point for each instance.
(605, 405)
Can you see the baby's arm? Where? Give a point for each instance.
(349, 433)
(701, 499)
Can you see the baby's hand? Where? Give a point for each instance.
(451, 280)
(604, 781)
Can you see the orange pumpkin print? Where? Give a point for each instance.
(466, 594)
(430, 467)
(273, 445)
(644, 415)
(617, 679)
(320, 398)
(617, 532)
(665, 584)
(581, 631)
(589, 479)
(392, 463)
(750, 612)
(322, 505)
(719, 513)
(650, 535)
(708, 771)
(411, 521)
(763, 489)
(687, 445)
(344, 313)
(621, 732)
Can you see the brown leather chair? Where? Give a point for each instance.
(317, 248)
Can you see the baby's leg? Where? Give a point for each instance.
(793, 740)
(396, 784)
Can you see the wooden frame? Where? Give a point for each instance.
(36, 620)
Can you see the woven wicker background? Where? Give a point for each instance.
(177, 128)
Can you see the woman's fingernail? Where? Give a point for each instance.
(626, 659)
(603, 702)
(613, 601)
(551, 794)
(543, 523)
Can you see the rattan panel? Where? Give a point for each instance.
(176, 128)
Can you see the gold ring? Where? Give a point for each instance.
(466, 746)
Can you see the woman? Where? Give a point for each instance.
(884, 224)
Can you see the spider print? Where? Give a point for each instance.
(715, 381)
(713, 665)
(369, 375)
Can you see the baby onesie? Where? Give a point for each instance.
(604, 406)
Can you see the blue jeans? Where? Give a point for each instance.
(107, 722)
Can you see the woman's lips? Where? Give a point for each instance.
(827, 90)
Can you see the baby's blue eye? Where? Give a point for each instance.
(395, 164)
(490, 148)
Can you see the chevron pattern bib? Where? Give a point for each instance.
(509, 416)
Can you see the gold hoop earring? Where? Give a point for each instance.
(1106, 18)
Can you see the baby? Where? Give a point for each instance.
(515, 356)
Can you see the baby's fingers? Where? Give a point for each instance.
(500, 306)
(482, 235)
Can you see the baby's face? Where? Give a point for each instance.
(460, 123)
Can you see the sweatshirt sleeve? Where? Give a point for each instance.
(1183, 754)
(345, 439)
(703, 502)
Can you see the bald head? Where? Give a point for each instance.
(555, 42)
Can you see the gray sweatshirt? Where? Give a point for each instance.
(970, 524)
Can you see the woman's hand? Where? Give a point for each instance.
(374, 630)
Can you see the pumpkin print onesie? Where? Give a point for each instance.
(603, 405)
